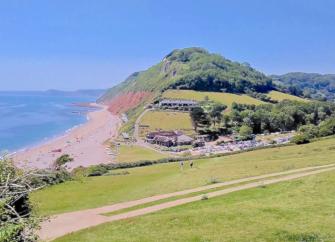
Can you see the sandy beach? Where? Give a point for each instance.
(85, 143)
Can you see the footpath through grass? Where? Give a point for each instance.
(299, 210)
(158, 179)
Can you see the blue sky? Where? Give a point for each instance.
(71, 44)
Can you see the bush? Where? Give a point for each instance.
(97, 170)
(62, 160)
(17, 223)
(327, 127)
(300, 139)
(309, 130)
(47, 177)
(245, 132)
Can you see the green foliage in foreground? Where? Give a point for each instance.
(300, 210)
(17, 223)
(150, 180)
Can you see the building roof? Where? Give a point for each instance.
(184, 138)
(163, 139)
(177, 101)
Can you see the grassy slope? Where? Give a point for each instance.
(158, 179)
(280, 96)
(224, 98)
(299, 210)
(132, 153)
(166, 121)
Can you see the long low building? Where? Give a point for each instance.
(177, 103)
(168, 138)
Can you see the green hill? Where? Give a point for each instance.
(311, 85)
(194, 69)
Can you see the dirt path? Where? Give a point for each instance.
(137, 124)
(63, 224)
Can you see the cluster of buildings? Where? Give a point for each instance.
(168, 138)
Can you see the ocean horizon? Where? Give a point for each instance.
(32, 118)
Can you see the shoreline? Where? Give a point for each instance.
(83, 142)
(59, 135)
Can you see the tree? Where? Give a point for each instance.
(327, 127)
(17, 223)
(245, 132)
(309, 130)
(199, 118)
(216, 113)
(62, 160)
(300, 139)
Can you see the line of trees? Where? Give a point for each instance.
(250, 119)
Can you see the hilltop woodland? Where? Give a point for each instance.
(312, 119)
(308, 85)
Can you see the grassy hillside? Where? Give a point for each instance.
(224, 98)
(146, 181)
(299, 210)
(280, 96)
(196, 69)
(155, 120)
(132, 153)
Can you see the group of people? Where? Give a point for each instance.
(181, 163)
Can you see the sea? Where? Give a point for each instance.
(31, 118)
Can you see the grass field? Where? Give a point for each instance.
(224, 98)
(299, 210)
(165, 120)
(146, 181)
(280, 96)
(132, 153)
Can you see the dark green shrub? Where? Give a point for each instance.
(97, 170)
(309, 130)
(300, 139)
(50, 177)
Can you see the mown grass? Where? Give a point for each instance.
(299, 210)
(280, 96)
(158, 179)
(165, 120)
(132, 153)
(224, 98)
